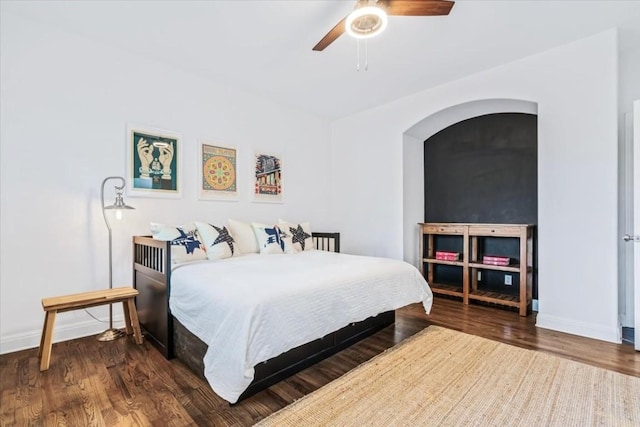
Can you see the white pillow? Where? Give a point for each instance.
(271, 240)
(244, 236)
(186, 243)
(300, 235)
(217, 240)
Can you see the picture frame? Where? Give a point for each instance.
(218, 172)
(267, 177)
(154, 160)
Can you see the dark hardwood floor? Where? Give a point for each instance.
(120, 383)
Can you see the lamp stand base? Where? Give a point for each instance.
(111, 335)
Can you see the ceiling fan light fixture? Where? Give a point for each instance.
(366, 22)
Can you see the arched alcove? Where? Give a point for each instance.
(413, 157)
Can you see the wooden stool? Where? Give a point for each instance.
(55, 305)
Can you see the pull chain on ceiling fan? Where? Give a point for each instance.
(366, 55)
(369, 17)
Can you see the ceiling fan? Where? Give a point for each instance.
(369, 17)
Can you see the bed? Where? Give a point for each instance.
(245, 333)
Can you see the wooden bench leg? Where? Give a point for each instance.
(46, 340)
(132, 318)
(44, 333)
(127, 317)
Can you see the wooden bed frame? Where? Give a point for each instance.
(152, 279)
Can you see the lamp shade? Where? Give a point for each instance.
(119, 203)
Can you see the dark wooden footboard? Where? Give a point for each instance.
(152, 279)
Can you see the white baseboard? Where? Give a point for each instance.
(589, 330)
(27, 340)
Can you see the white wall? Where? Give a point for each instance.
(629, 87)
(575, 88)
(413, 196)
(65, 104)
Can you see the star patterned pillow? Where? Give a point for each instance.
(186, 243)
(300, 234)
(217, 240)
(272, 239)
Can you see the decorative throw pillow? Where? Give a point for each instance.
(300, 234)
(186, 244)
(271, 240)
(217, 240)
(244, 237)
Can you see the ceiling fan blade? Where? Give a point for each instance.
(331, 36)
(418, 7)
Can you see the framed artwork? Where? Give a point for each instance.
(218, 172)
(267, 178)
(154, 162)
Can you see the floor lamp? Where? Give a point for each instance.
(119, 205)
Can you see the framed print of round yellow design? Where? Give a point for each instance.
(219, 173)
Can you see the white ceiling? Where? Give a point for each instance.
(264, 47)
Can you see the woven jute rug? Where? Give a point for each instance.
(441, 377)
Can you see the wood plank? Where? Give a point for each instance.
(443, 261)
(87, 299)
(492, 297)
(443, 289)
(514, 268)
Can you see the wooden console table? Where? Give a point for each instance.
(470, 261)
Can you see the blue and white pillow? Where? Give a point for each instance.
(271, 239)
(186, 244)
(299, 234)
(218, 241)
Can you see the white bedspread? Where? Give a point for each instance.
(254, 307)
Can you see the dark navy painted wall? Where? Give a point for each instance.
(484, 170)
